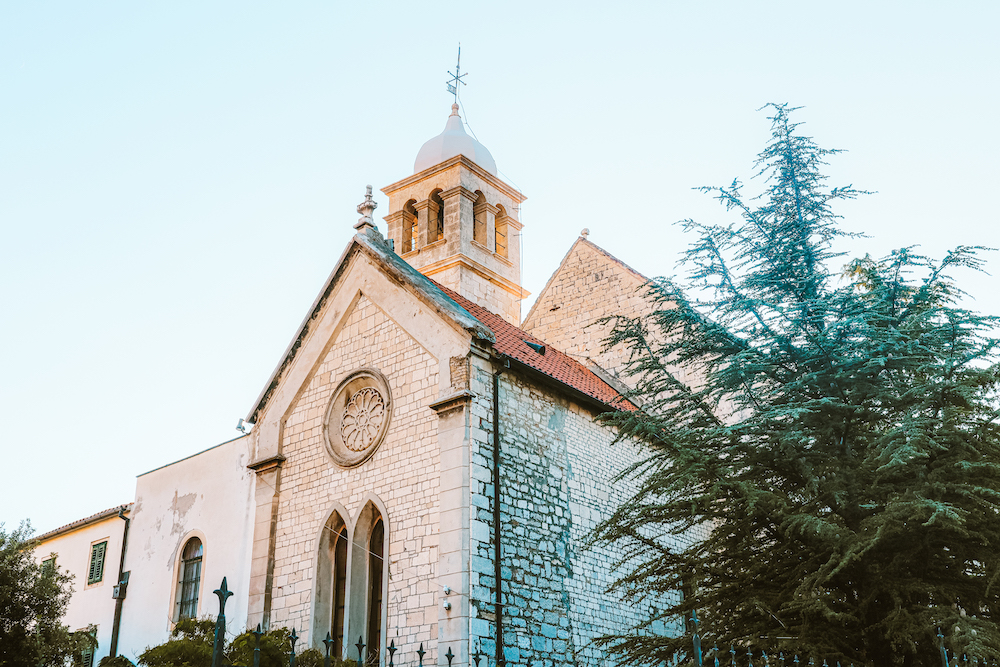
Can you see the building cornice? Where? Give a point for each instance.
(463, 260)
(511, 192)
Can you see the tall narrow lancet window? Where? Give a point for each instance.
(376, 549)
(437, 216)
(339, 595)
(189, 579)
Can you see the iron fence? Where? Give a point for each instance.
(218, 646)
(714, 657)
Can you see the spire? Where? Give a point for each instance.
(366, 208)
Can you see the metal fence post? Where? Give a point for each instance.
(695, 639)
(256, 646)
(220, 624)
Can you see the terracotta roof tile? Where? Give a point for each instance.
(513, 342)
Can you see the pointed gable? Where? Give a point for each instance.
(588, 285)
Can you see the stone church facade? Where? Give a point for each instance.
(416, 449)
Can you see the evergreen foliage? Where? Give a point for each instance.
(190, 645)
(191, 642)
(837, 461)
(33, 600)
(116, 661)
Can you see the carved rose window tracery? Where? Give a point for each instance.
(362, 419)
(357, 417)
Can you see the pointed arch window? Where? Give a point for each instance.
(339, 596)
(376, 548)
(189, 579)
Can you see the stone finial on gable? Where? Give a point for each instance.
(366, 208)
(585, 233)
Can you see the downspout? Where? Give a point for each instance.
(498, 608)
(119, 590)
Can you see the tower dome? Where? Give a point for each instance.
(453, 141)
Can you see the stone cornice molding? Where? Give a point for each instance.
(509, 221)
(511, 192)
(266, 465)
(453, 402)
(459, 190)
(489, 274)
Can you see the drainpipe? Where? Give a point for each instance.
(501, 660)
(119, 590)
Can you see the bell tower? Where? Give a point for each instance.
(455, 221)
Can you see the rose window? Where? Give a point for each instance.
(362, 420)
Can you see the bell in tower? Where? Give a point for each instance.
(455, 221)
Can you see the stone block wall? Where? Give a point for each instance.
(589, 285)
(403, 474)
(557, 471)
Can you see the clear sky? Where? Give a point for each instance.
(177, 179)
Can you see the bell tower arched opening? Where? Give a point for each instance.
(467, 218)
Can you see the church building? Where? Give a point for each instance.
(423, 467)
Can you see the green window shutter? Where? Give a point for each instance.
(96, 572)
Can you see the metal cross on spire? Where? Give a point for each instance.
(456, 78)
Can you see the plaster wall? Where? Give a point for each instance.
(207, 495)
(89, 604)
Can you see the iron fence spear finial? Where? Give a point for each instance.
(328, 642)
(361, 648)
(695, 638)
(450, 656)
(220, 624)
(420, 654)
(392, 649)
(292, 638)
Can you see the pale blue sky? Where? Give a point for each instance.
(177, 179)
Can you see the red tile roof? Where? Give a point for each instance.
(513, 342)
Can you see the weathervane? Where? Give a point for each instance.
(456, 78)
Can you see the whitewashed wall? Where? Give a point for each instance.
(208, 495)
(89, 604)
